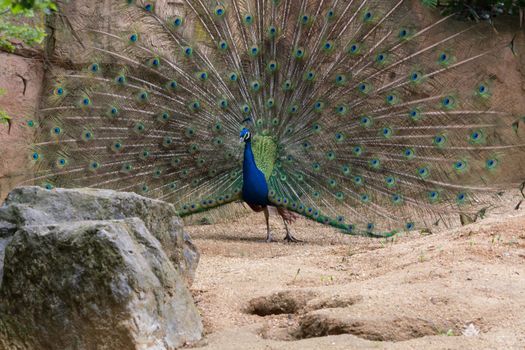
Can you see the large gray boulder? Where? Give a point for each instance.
(94, 269)
(34, 206)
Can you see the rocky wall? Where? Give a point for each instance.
(21, 84)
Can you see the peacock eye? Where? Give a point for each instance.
(177, 22)
(461, 197)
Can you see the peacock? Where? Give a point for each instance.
(358, 114)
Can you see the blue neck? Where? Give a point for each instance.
(249, 160)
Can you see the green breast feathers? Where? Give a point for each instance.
(265, 153)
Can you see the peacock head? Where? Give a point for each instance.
(246, 135)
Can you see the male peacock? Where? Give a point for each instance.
(355, 114)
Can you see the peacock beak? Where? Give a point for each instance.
(241, 140)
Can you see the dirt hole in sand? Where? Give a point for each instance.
(288, 302)
(399, 329)
(296, 302)
(294, 315)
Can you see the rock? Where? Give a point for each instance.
(28, 206)
(4, 241)
(94, 284)
(93, 269)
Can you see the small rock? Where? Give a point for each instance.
(471, 331)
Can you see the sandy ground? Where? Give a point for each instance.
(459, 288)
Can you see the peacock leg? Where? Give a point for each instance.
(289, 237)
(288, 217)
(268, 232)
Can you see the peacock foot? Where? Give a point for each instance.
(269, 237)
(291, 239)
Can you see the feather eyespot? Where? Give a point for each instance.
(219, 11)
(354, 49)
(491, 163)
(272, 31)
(177, 22)
(461, 198)
(368, 16)
(223, 45)
(254, 50)
(305, 19)
(248, 19)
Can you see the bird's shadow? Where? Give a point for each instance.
(250, 239)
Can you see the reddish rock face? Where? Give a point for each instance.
(21, 83)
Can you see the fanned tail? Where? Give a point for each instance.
(373, 120)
